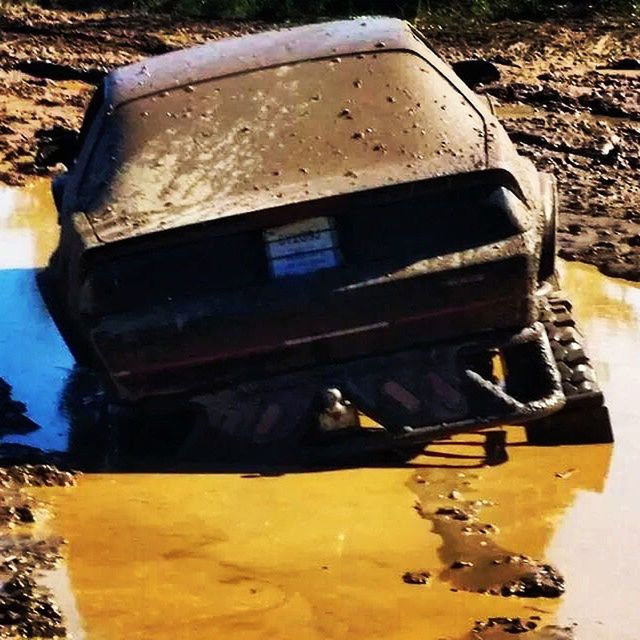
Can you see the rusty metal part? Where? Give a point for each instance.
(417, 396)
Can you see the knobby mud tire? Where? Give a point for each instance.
(585, 418)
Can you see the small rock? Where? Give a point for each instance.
(453, 512)
(461, 564)
(416, 577)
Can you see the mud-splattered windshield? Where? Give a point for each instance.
(275, 136)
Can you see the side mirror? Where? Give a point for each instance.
(475, 72)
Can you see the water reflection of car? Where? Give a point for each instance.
(285, 230)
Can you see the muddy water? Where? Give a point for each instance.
(322, 555)
(33, 357)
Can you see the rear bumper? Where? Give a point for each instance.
(185, 349)
(417, 395)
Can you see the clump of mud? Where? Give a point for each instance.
(26, 610)
(501, 627)
(417, 577)
(534, 580)
(474, 560)
(12, 412)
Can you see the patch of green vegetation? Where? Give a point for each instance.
(445, 10)
(491, 10)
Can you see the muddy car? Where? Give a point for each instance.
(280, 233)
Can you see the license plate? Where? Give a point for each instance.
(302, 247)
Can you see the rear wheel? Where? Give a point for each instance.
(585, 418)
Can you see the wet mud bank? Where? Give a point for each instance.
(567, 93)
(27, 606)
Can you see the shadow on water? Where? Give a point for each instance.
(33, 359)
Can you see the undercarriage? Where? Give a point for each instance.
(540, 377)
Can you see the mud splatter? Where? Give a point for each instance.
(417, 577)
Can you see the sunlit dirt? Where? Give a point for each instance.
(322, 554)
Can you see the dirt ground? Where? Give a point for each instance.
(27, 608)
(560, 95)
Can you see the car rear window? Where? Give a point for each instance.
(395, 234)
(275, 136)
(425, 226)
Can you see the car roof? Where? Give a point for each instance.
(259, 51)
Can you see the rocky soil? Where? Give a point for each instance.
(568, 93)
(27, 608)
(499, 628)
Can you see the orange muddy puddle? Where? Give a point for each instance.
(321, 555)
